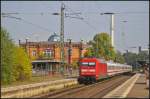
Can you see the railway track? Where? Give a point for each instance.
(96, 90)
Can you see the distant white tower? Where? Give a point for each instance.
(112, 28)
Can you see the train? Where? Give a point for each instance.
(93, 69)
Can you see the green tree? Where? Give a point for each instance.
(136, 60)
(22, 65)
(74, 64)
(15, 64)
(89, 52)
(6, 57)
(119, 57)
(101, 47)
(143, 56)
(130, 58)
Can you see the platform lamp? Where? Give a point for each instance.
(111, 26)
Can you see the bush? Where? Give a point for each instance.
(6, 57)
(15, 64)
(22, 65)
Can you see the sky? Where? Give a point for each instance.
(38, 27)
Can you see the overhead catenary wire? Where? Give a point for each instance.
(115, 12)
(83, 19)
(75, 13)
(42, 13)
(97, 6)
(132, 12)
(26, 13)
(25, 21)
(43, 28)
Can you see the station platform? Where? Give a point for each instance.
(139, 89)
(29, 90)
(135, 87)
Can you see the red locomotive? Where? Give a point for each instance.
(93, 69)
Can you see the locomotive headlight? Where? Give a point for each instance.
(87, 70)
(83, 70)
(92, 70)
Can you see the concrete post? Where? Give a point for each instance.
(112, 29)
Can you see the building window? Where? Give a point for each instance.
(48, 53)
(34, 53)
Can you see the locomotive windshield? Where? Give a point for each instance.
(87, 64)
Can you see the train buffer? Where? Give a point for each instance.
(135, 87)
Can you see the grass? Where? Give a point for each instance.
(34, 79)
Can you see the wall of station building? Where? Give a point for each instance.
(35, 52)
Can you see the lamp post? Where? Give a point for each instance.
(111, 26)
(123, 32)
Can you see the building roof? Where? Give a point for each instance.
(46, 43)
(54, 38)
(47, 61)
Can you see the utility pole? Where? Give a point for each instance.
(148, 53)
(69, 52)
(97, 54)
(62, 56)
(62, 38)
(140, 49)
(27, 46)
(81, 48)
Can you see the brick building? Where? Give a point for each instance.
(45, 55)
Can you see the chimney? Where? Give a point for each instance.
(19, 42)
(127, 51)
(26, 40)
(26, 45)
(140, 49)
